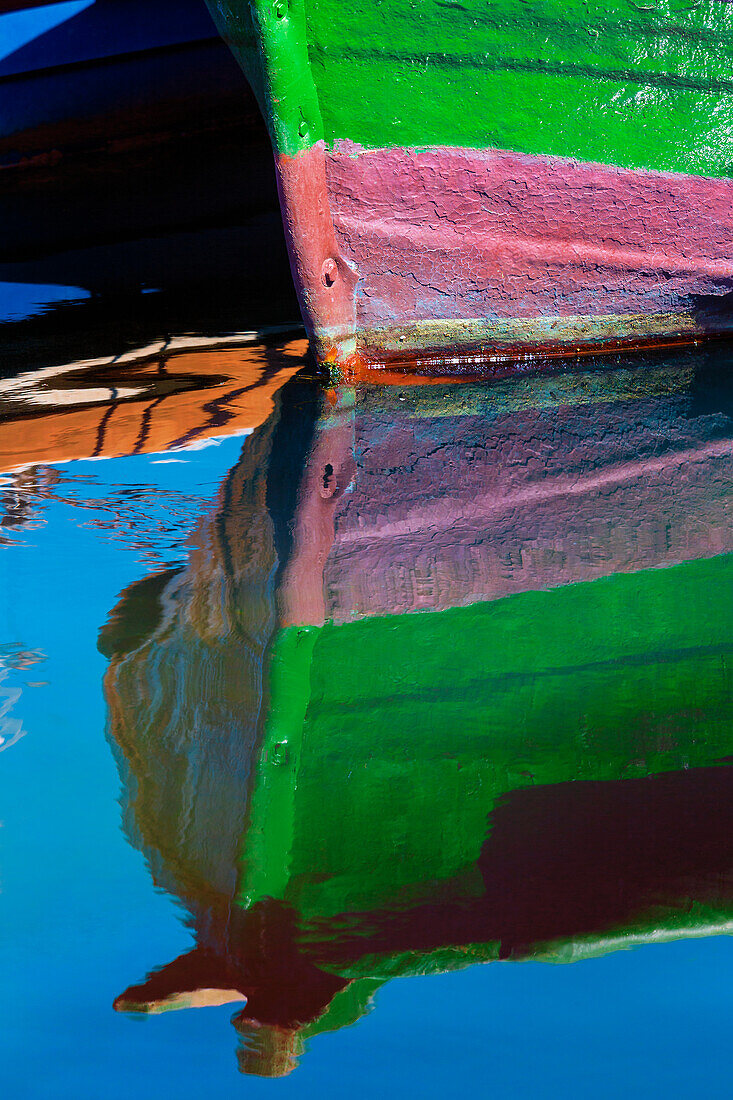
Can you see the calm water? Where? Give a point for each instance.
(365, 742)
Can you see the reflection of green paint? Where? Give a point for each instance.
(658, 927)
(346, 1008)
(644, 86)
(415, 724)
(268, 839)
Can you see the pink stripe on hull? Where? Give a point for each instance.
(461, 233)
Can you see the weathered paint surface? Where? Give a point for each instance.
(324, 280)
(456, 234)
(558, 167)
(644, 85)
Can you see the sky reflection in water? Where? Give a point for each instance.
(395, 681)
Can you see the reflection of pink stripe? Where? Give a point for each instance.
(450, 233)
(446, 512)
(457, 550)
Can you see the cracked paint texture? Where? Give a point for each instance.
(462, 233)
(560, 165)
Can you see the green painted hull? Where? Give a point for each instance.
(462, 183)
(643, 86)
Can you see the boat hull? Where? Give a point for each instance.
(498, 179)
(124, 120)
(464, 249)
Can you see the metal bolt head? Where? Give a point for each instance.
(329, 481)
(280, 753)
(329, 272)
(281, 9)
(303, 128)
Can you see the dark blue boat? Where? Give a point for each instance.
(79, 73)
(133, 158)
(121, 117)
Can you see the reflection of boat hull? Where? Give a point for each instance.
(498, 179)
(521, 762)
(448, 712)
(443, 496)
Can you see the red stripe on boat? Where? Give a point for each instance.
(463, 233)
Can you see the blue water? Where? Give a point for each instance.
(21, 300)
(81, 919)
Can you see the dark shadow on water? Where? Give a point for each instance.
(197, 286)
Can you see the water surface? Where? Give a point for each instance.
(365, 740)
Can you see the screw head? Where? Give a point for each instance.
(280, 753)
(329, 272)
(281, 9)
(329, 482)
(303, 128)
